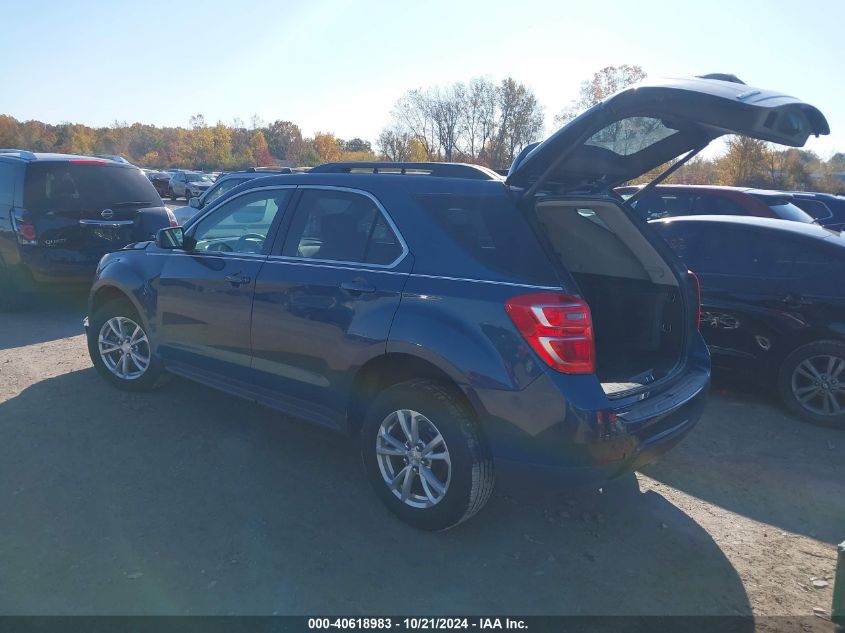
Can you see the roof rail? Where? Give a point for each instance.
(446, 170)
(25, 154)
(272, 170)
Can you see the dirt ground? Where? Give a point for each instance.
(187, 501)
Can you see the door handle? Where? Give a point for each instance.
(236, 279)
(357, 287)
(795, 300)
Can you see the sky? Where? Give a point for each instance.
(339, 67)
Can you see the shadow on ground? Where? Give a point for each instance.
(750, 456)
(47, 317)
(189, 501)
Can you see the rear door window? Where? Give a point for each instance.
(8, 174)
(341, 226)
(491, 231)
(69, 186)
(819, 270)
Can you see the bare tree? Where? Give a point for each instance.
(394, 144)
(412, 112)
(520, 121)
(607, 81)
(478, 123)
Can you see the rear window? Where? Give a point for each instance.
(68, 186)
(491, 231)
(784, 208)
(814, 208)
(631, 135)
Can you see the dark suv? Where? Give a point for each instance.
(470, 327)
(60, 213)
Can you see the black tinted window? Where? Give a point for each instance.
(663, 204)
(491, 230)
(8, 174)
(819, 269)
(340, 226)
(682, 238)
(707, 204)
(69, 186)
(742, 252)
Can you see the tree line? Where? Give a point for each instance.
(478, 121)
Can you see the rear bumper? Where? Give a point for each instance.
(609, 456)
(562, 429)
(57, 266)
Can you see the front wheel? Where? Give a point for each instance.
(812, 383)
(120, 348)
(425, 457)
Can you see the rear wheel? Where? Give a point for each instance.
(120, 348)
(812, 383)
(425, 457)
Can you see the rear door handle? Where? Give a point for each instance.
(357, 287)
(237, 279)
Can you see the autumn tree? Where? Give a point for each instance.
(744, 162)
(327, 147)
(282, 138)
(260, 150)
(607, 81)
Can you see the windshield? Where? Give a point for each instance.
(198, 178)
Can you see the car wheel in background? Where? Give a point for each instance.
(811, 383)
(120, 347)
(424, 455)
(171, 194)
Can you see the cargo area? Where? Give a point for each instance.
(637, 307)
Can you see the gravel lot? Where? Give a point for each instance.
(189, 501)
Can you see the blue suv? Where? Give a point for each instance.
(471, 328)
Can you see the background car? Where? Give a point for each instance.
(62, 213)
(665, 201)
(188, 184)
(161, 181)
(223, 184)
(772, 304)
(827, 209)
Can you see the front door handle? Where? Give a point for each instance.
(236, 279)
(357, 287)
(795, 300)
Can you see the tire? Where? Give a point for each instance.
(109, 365)
(460, 464)
(811, 383)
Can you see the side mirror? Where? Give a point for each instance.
(170, 238)
(195, 203)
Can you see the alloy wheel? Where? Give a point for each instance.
(124, 348)
(818, 384)
(413, 459)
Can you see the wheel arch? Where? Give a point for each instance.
(393, 368)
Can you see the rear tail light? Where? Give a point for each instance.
(24, 228)
(698, 296)
(558, 327)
